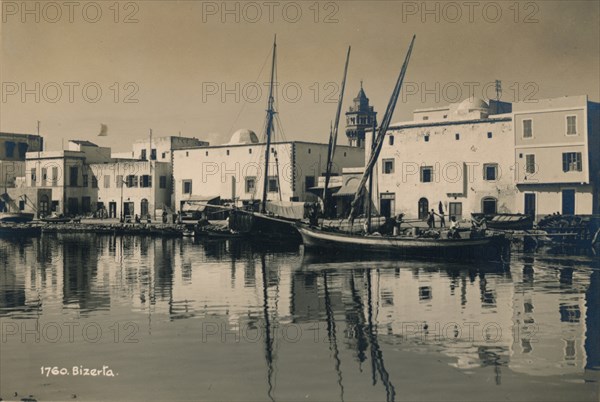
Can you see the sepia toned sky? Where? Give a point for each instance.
(195, 67)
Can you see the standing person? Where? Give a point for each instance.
(431, 219)
(441, 215)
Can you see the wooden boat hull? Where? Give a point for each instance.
(16, 217)
(264, 227)
(56, 220)
(492, 248)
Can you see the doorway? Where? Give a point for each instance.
(423, 208)
(568, 202)
(128, 209)
(73, 206)
(112, 209)
(387, 204)
(144, 208)
(529, 207)
(44, 207)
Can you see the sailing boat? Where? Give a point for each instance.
(492, 248)
(261, 224)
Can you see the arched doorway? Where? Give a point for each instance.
(423, 208)
(144, 207)
(489, 205)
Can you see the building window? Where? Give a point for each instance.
(571, 161)
(391, 140)
(530, 163)
(162, 181)
(250, 184)
(425, 117)
(73, 175)
(388, 166)
(94, 182)
(132, 181)
(250, 150)
(143, 156)
(187, 187)
(445, 116)
(146, 181)
(527, 128)
(489, 205)
(206, 153)
(427, 138)
(21, 205)
(309, 182)
(33, 177)
(571, 125)
(273, 184)
(227, 152)
(55, 175)
(9, 147)
(426, 174)
(309, 150)
(490, 171)
(153, 154)
(490, 134)
(23, 149)
(457, 136)
(85, 180)
(119, 181)
(187, 154)
(164, 155)
(44, 176)
(106, 181)
(345, 154)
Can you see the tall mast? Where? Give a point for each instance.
(369, 197)
(385, 123)
(270, 113)
(333, 134)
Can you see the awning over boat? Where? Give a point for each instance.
(286, 209)
(198, 203)
(349, 188)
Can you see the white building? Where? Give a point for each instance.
(557, 151)
(234, 171)
(473, 157)
(86, 178)
(459, 156)
(129, 188)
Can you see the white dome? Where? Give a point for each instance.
(243, 136)
(472, 104)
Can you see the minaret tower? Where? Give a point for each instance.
(359, 118)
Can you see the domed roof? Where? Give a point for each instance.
(472, 104)
(243, 136)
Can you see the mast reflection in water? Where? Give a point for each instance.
(224, 321)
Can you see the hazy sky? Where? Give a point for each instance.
(190, 68)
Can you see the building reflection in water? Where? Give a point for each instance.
(541, 317)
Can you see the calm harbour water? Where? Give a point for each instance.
(174, 319)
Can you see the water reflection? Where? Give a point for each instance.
(539, 317)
